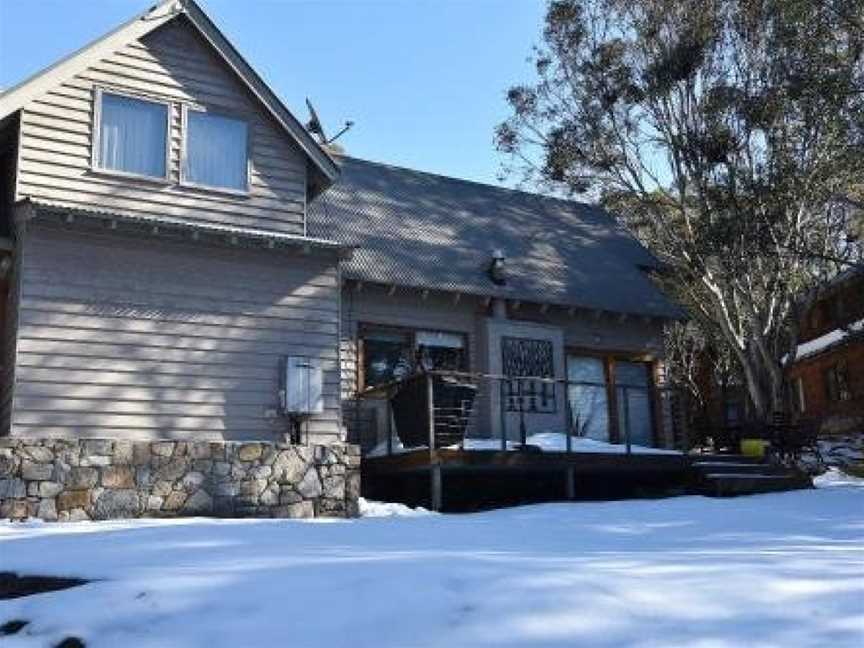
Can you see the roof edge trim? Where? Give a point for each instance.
(28, 209)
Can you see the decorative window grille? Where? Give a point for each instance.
(523, 359)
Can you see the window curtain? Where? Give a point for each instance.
(216, 151)
(589, 408)
(133, 135)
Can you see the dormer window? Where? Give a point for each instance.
(132, 136)
(216, 153)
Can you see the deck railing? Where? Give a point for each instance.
(432, 413)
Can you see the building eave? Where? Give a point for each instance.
(178, 229)
(357, 283)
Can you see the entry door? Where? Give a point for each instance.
(586, 391)
(633, 391)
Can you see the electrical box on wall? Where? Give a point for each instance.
(302, 386)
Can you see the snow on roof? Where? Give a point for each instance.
(830, 339)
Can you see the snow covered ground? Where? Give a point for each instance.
(771, 570)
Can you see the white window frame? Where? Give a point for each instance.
(96, 140)
(184, 143)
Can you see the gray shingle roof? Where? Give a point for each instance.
(429, 231)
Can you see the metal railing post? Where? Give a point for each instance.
(626, 419)
(389, 424)
(523, 432)
(568, 412)
(430, 397)
(503, 413)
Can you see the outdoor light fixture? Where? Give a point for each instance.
(496, 268)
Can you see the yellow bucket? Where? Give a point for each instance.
(753, 447)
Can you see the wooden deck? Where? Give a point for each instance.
(500, 460)
(447, 479)
(464, 480)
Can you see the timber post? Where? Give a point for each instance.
(436, 486)
(568, 412)
(435, 480)
(570, 483)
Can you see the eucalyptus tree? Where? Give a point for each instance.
(729, 135)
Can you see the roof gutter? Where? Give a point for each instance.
(176, 229)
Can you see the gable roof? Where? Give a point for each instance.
(429, 231)
(15, 98)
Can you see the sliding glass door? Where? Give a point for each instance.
(589, 391)
(589, 406)
(633, 393)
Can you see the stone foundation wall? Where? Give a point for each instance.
(102, 479)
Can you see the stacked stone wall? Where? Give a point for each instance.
(100, 479)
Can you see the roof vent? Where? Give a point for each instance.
(496, 268)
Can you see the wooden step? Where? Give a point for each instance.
(724, 458)
(733, 484)
(726, 467)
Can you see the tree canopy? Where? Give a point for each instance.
(727, 134)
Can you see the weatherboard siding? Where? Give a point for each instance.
(9, 339)
(167, 340)
(173, 64)
(602, 332)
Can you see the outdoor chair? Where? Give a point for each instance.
(789, 441)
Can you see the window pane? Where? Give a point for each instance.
(387, 356)
(385, 336)
(589, 411)
(634, 402)
(215, 151)
(634, 414)
(439, 339)
(133, 135)
(585, 370)
(631, 373)
(442, 358)
(441, 351)
(589, 408)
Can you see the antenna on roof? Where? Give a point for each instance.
(315, 127)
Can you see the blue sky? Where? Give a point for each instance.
(423, 80)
